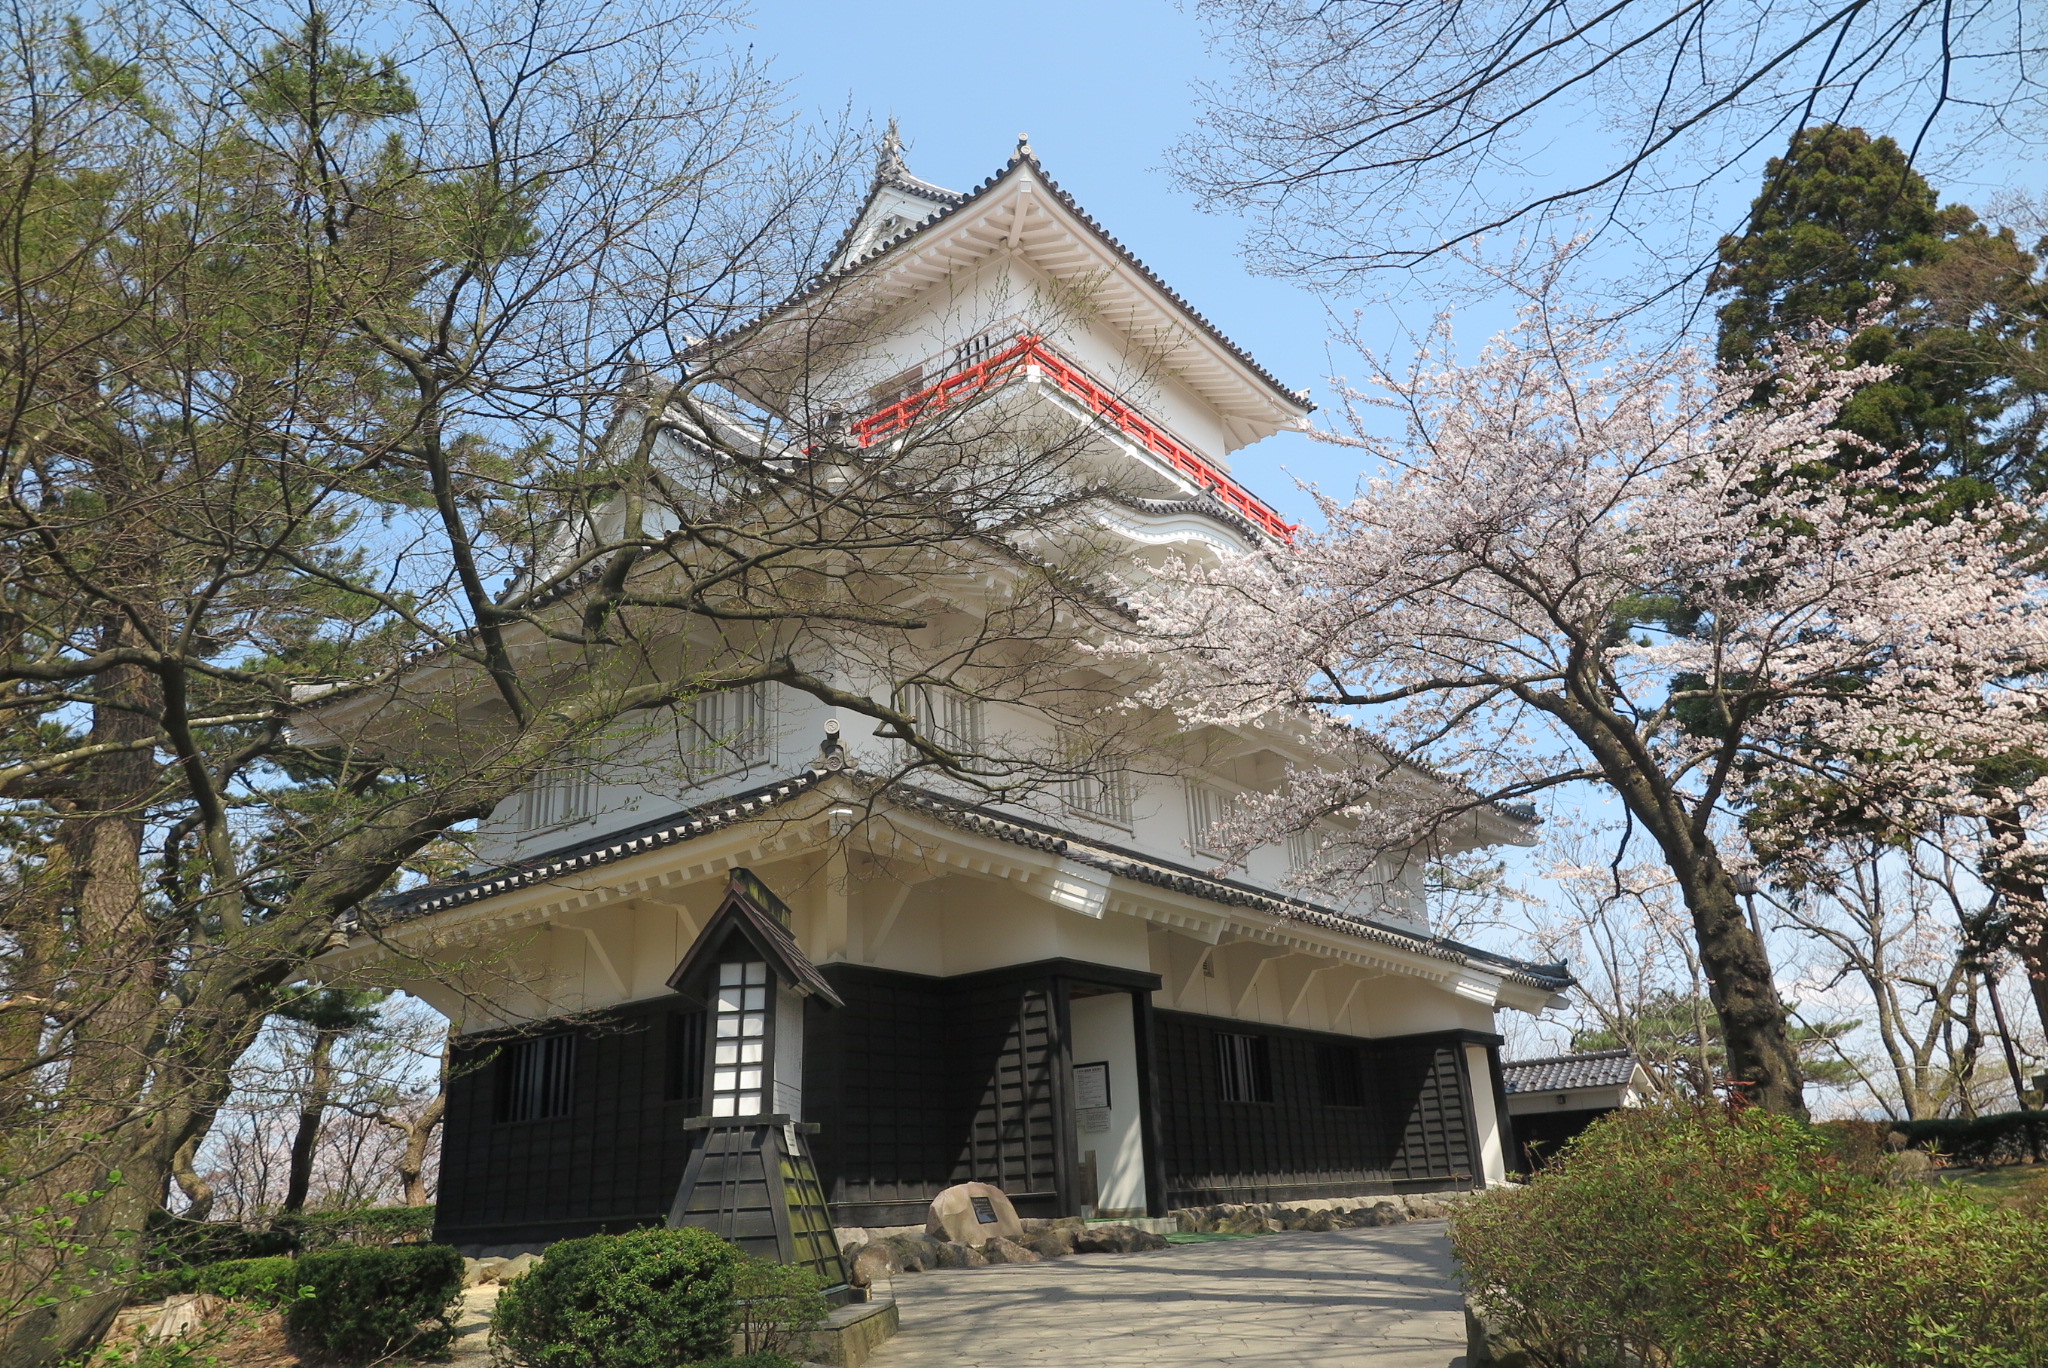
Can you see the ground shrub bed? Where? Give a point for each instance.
(652, 1298)
(264, 1282)
(367, 1227)
(2003, 1138)
(1710, 1239)
(363, 1304)
(177, 1247)
(175, 1242)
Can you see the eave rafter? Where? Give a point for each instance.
(931, 834)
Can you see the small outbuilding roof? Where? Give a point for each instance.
(1563, 1073)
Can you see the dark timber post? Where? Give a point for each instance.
(1142, 1028)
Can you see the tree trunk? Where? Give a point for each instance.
(419, 1133)
(2023, 897)
(1763, 1063)
(198, 1192)
(103, 1155)
(419, 1136)
(319, 1082)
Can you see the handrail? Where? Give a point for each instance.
(1031, 358)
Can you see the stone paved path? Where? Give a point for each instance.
(1381, 1298)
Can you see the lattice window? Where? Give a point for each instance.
(733, 728)
(950, 719)
(1244, 1068)
(567, 793)
(1099, 789)
(739, 1023)
(897, 387)
(535, 1078)
(1207, 805)
(1303, 848)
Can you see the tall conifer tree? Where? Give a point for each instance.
(1846, 232)
(1844, 222)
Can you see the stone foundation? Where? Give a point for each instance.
(884, 1253)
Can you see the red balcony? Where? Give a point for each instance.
(1030, 355)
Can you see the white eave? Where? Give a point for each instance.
(1021, 211)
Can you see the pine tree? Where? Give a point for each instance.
(1845, 225)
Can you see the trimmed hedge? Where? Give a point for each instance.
(367, 1227)
(651, 1298)
(371, 1303)
(2004, 1138)
(267, 1282)
(174, 1242)
(1721, 1240)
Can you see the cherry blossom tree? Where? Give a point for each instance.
(1587, 565)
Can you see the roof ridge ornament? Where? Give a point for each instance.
(889, 161)
(1024, 152)
(832, 753)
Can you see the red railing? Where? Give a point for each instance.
(1020, 358)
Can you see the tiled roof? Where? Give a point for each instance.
(1562, 1073)
(1180, 879)
(738, 807)
(1022, 157)
(634, 840)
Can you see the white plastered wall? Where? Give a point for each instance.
(1492, 1158)
(1103, 1031)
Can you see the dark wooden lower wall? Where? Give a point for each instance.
(611, 1163)
(919, 1083)
(1540, 1135)
(1407, 1124)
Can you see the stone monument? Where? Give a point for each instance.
(971, 1213)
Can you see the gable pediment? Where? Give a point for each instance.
(911, 237)
(752, 913)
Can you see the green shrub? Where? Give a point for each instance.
(370, 1303)
(266, 1282)
(761, 1360)
(372, 1227)
(174, 1242)
(648, 1299)
(1717, 1240)
(776, 1306)
(2004, 1138)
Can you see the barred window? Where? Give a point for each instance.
(686, 1057)
(1207, 805)
(732, 727)
(1100, 789)
(900, 386)
(1342, 1074)
(565, 794)
(1244, 1068)
(950, 719)
(1302, 848)
(535, 1076)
